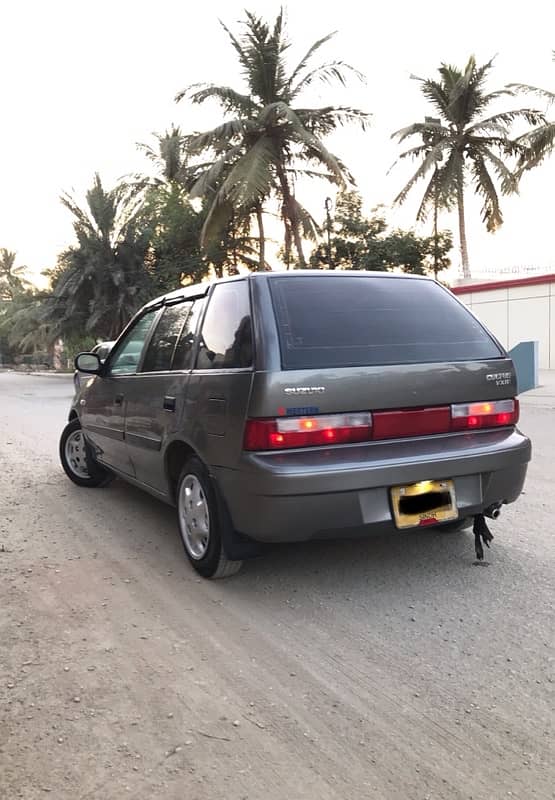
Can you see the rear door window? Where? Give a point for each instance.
(162, 345)
(226, 336)
(183, 357)
(355, 321)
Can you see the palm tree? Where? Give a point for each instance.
(169, 157)
(12, 280)
(23, 324)
(183, 247)
(27, 322)
(226, 226)
(102, 280)
(175, 253)
(540, 141)
(267, 138)
(465, 146)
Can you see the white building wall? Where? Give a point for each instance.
(517, 314)
(552, 317)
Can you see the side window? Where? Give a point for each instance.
(126, 359)
(164, 339)
(226, 338)
(183, 358)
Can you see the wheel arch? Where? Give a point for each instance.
(177, 452)
(236, 546)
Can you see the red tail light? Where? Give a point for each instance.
(495, 414)
(286, 432)
(289, 432)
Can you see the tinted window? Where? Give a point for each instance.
(164, 339)
(183, 358)
(226, 338)
(128, 354)
(351, 321)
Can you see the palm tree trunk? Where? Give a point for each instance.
(462, 228)
(261, 242)
(290, 210)
(234, 244)
(287, 240)
(297, 239)
(435, 231)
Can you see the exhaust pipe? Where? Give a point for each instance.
(493, 511)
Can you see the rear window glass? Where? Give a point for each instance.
(352, 321)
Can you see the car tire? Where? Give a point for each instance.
(200, 523)
(77, 459)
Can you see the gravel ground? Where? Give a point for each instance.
(391, 669)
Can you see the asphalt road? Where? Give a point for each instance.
(391, 669)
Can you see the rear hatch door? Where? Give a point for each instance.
(355, 342)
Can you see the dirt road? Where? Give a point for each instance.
(391, 669)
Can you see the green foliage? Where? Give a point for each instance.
(364, 243)
(17, 303)
(98, 283)
(77, 344)
(231, 245)
(174, 257)
(12, 280)
(178, 253)
(102, 280)
(25, 324)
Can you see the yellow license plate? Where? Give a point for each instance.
(424, 503)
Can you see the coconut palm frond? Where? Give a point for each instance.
(485, 187)
(536, 145)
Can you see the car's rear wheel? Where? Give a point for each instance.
(200, 524)
(77, 460)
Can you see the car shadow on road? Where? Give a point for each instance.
(418, 559)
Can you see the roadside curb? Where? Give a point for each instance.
(46, 374)
(26, 373)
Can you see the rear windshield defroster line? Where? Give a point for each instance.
(355, 321)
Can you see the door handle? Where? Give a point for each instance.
(118, 400)
(169, 403)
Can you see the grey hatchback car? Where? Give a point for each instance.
(291, 406)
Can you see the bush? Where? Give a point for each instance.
(74, 345)
(37, 359)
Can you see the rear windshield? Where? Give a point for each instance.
(352, 321)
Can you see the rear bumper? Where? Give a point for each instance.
(344, 491)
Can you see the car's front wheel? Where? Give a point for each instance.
(77, 459)
(199, 523)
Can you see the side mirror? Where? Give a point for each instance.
(88, 362)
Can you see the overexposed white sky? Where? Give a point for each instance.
(81, 82)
